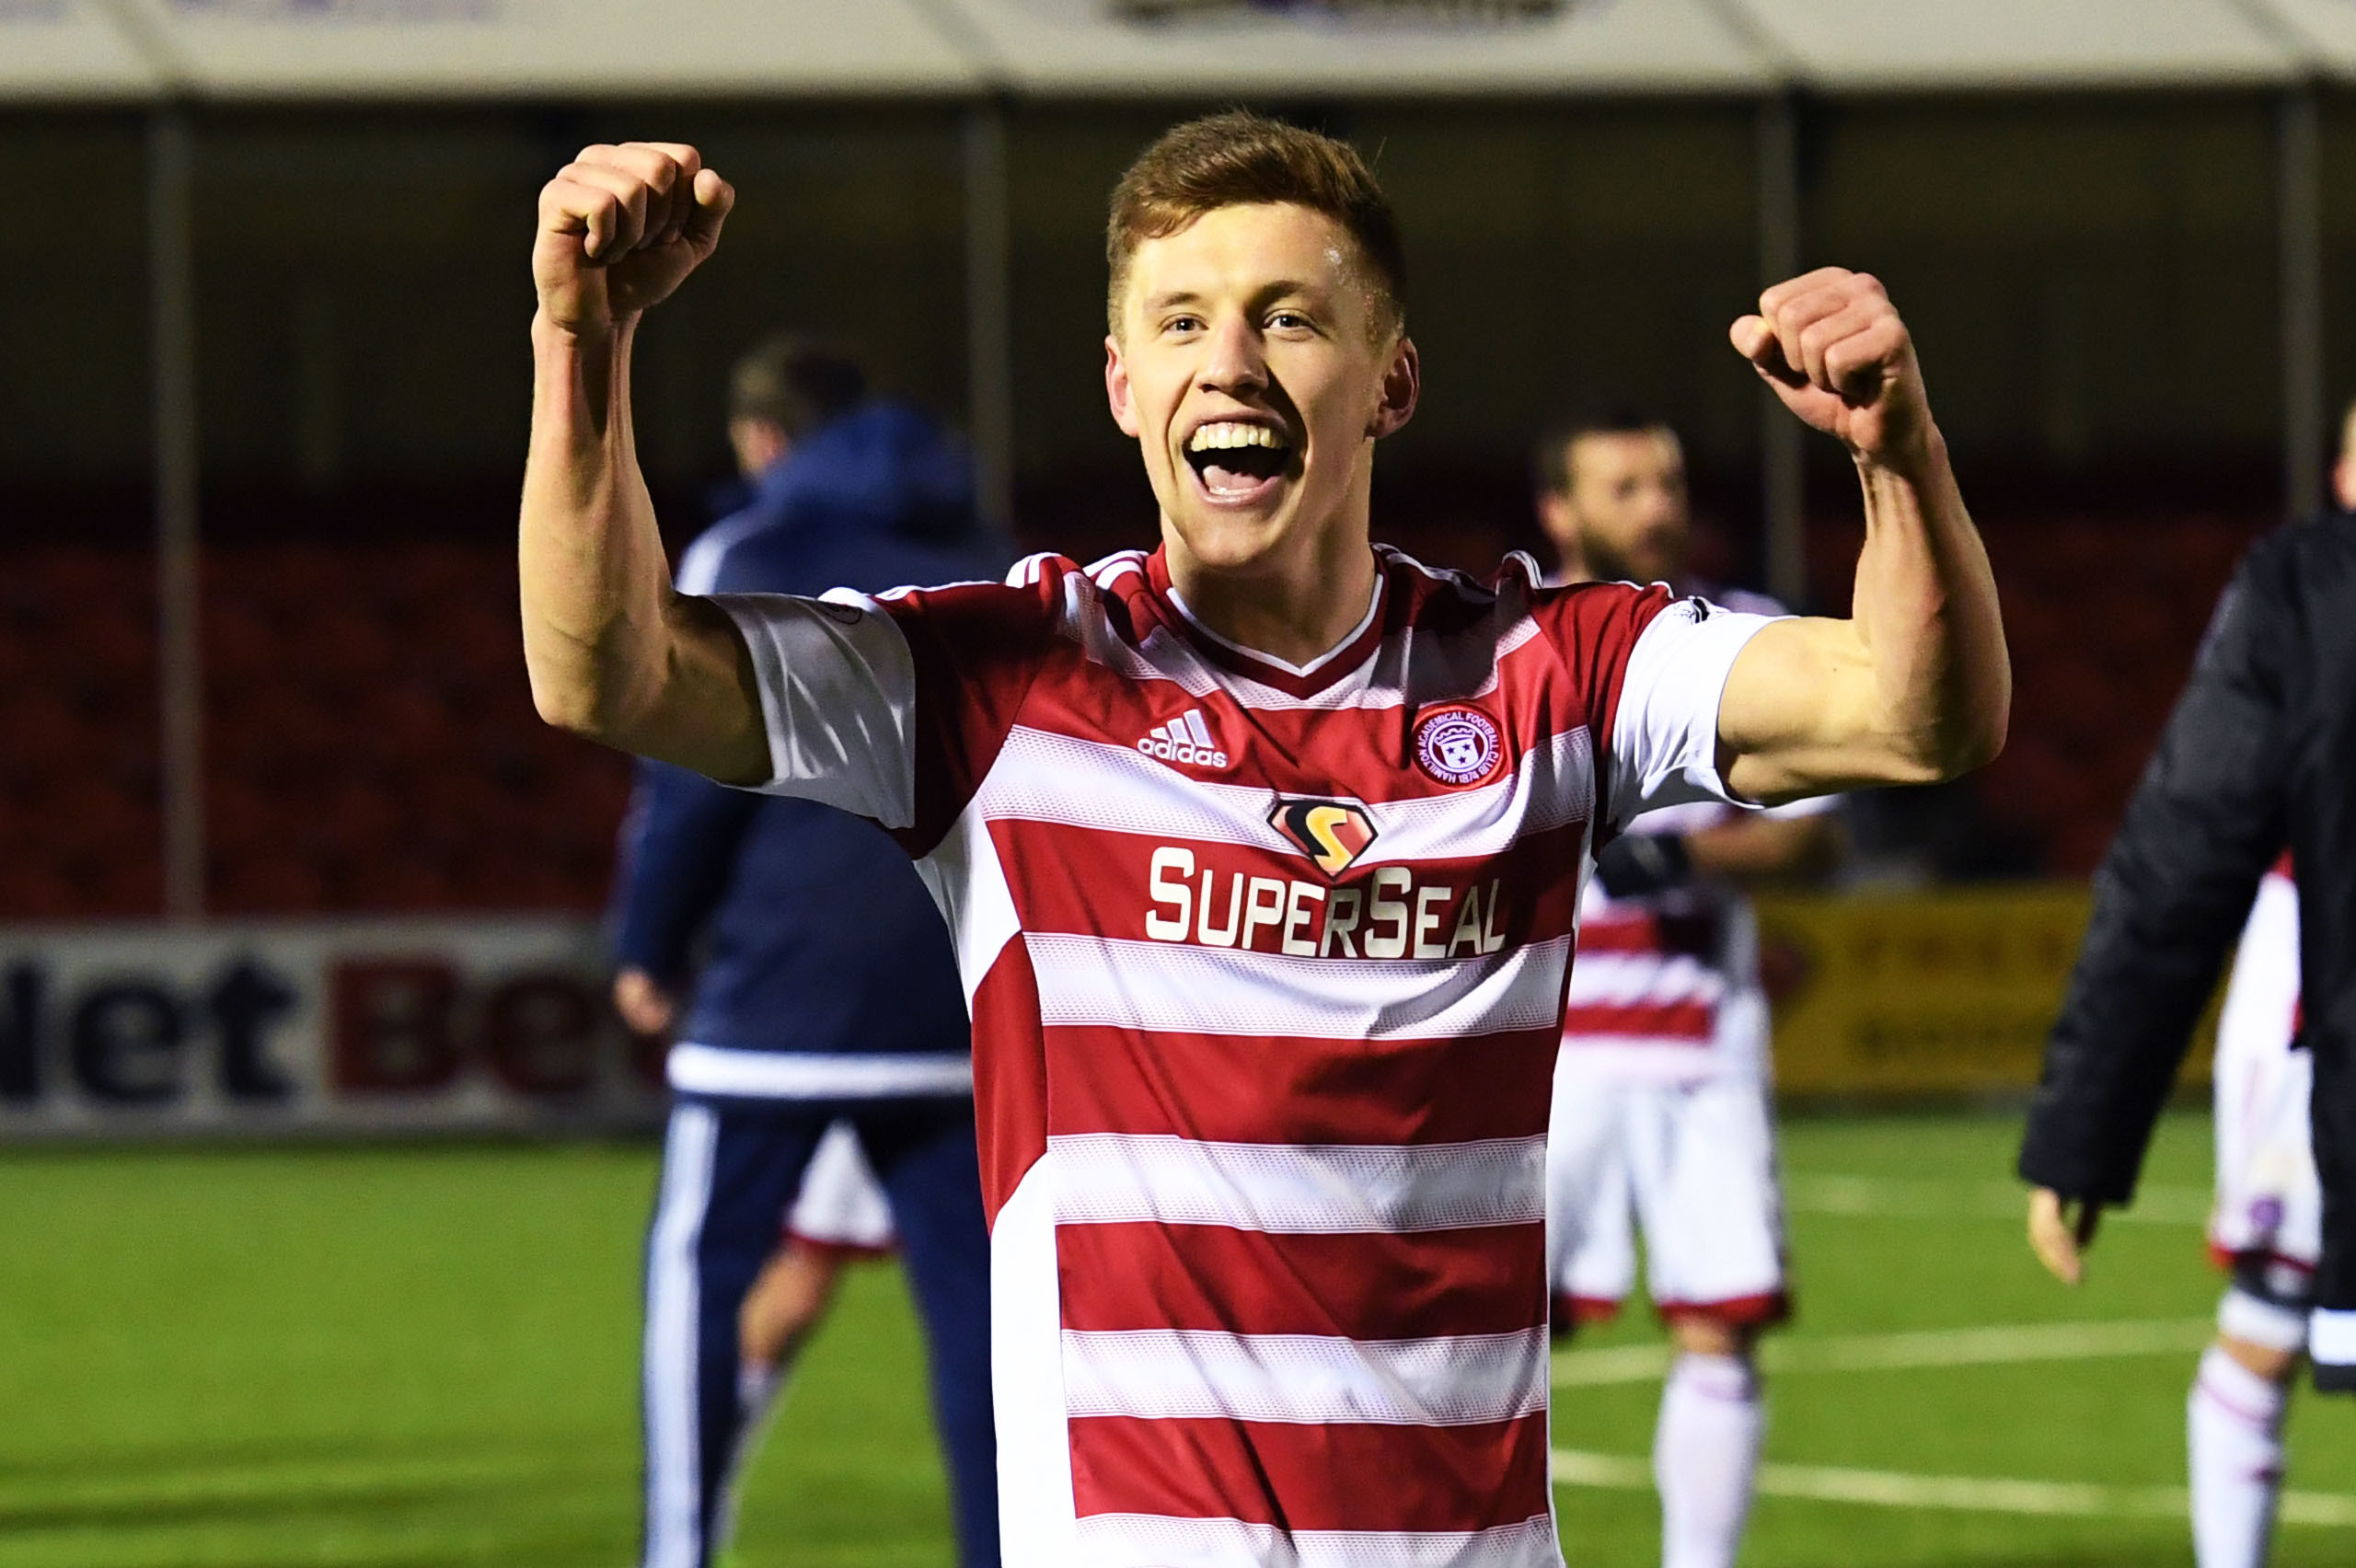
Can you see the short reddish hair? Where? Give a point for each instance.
(1240, 158)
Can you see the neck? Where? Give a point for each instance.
(1295, 610)
(1570, 562)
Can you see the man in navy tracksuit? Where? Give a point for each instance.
(823, 987)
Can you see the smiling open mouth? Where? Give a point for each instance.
(1235, 460)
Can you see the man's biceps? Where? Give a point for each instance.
(718, 701)
(1763, 776)
(1756, 706)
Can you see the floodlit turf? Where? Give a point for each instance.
(415, 1357)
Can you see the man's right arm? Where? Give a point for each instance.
(615, 654)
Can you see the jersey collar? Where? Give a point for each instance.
(1296, 680)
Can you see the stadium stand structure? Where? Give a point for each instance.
(79, 823)
(2103, 614)
(370, 740)
(371, 745)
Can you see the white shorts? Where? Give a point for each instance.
(2268, 1222)
(1695, 1165)
(841, 1207)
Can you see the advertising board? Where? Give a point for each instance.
(493, 1024)
(1937, 992)
(278, 1027)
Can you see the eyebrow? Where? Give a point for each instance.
(1267, 294)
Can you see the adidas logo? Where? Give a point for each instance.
(1185, 740)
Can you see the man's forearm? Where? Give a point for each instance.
(1760, 848)
(614, 653)
(1926, 609)
(590, 559)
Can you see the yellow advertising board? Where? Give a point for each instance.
(1937, 992)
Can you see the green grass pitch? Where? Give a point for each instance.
(415, 1357)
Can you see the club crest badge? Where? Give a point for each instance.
(1458, 746)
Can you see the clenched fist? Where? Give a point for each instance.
(1832, 346)
(620, 227)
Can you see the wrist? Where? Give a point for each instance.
(1916, 460)
(579, 339)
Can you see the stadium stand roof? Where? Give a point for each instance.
(1188, 47)
(2031, 43)
(84, 51)
(68, 53)
(317, 50)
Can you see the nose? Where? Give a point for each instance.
(1232, 362)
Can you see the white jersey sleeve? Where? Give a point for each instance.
(837, 687)
(1665, 729)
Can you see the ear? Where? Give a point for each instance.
(1402, 386)
(1559, 522)
(759, 443)
(1556, 521)
(1116, 388)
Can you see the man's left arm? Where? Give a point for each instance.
(2209, 815)
(1915, 686)
(678, 853)
(1797, 843)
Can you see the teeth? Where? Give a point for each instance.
(1232, 433)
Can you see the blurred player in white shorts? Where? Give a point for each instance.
(2266, 1229)
(840, 1216)
(1661, 1099)
(1661, 1115)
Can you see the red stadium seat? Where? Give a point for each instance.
(371, 743)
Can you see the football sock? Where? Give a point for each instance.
(1705, 1456)
(757, 1385)
(2233, 1426)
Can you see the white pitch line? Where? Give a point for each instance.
(1987, 1494)
(293, 1481)
(1989, 1347)
(1881, 1197)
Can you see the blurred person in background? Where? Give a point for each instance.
(806, 976)
(2252, 776)
(1662, 1117)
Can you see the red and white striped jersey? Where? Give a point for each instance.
(1667, 988)
(2269, 1210)
(1266, 964)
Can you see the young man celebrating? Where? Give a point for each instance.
(1261, 853)
(1661, 1100)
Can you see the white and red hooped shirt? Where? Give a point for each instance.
(1267, 968)
(1667, 989)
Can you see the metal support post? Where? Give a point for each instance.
(2304, 417)
(1782, 454)
(180, 687)
(989, 313)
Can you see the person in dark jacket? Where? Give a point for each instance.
(803, 973)
(2257, 757)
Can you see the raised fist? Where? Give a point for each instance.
(620, 227)
(1831, 345)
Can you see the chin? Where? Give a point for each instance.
(1229, 542)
